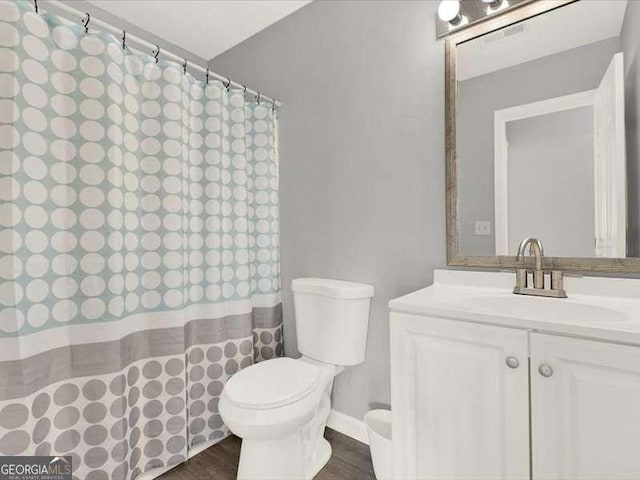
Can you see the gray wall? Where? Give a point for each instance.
(564, 73)
(362, 157)
(550, 182)
(630, 43)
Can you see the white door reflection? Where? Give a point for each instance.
(560, 174)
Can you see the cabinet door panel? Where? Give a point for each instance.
(459, 412)
(586, 415)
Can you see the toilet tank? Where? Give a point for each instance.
(332, 318)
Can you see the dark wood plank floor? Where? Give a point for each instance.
(350, 460)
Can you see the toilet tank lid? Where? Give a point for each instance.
(332, 288)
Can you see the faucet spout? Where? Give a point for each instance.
(535, 246)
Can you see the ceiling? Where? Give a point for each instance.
(203, 27)
(562, 29)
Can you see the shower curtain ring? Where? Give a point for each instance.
(244, 89)
(228, 84)
(258, 98)
(157, 52)
(124, 39)
(36, 5)
(86, 23)
(207, 76)
(184, 66)
(273, 106)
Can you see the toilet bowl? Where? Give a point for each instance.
(280, 407)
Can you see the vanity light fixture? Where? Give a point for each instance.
(455, 15)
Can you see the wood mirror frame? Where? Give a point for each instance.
(454, 257)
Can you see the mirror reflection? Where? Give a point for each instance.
(547, 136)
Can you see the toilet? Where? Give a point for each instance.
(280, 407)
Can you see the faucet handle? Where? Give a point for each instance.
(556, 280)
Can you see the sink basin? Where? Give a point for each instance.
(552, 309)
(598, 307)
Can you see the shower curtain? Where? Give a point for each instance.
(138, 248)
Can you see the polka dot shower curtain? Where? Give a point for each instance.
(138, 248)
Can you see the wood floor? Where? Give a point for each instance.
(350, 461)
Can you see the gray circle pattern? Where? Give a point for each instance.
(92, 420)
(117, 424)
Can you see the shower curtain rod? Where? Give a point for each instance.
(88, 21)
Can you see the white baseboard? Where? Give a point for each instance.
(349, 426)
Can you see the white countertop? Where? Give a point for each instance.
(598, 307)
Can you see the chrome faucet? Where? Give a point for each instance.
(522, 288)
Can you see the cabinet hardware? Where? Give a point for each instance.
(512, 362)
(545, 370)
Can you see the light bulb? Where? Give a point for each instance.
(449, 11)
(495, 5)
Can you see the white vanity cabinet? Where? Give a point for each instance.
(458, 410)
(463, 394)
(585, 416)
(501, 394)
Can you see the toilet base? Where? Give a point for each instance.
(322, 457)
(267, 459)
(281, 458)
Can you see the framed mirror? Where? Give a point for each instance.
(542, 136)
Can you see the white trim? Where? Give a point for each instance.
(348, 425)
(610, 163)
(501, 152)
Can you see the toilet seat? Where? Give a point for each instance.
(272, 384)
(274, 396)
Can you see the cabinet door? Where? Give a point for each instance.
(458, 410)
(585, 407)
